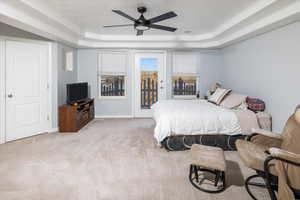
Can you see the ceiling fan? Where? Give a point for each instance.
(142, 24)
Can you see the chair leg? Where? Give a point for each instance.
(247, 183)
(191, 169)
(224, 179)
(217, 178)
(269, 187)
(196, 173)
(194, 179)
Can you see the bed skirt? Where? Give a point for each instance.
(184, 142)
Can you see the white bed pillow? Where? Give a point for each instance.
(218, 95)
(233, 100)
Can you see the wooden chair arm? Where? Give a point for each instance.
(265, 133)
(285, 155)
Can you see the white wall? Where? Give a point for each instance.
(87, 72)
(267, 67)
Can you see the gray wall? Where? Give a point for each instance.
(267, 67)
(64, 77)
(209, 70)
(60, 78)
(87, 71)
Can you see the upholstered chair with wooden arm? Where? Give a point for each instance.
(275, 158)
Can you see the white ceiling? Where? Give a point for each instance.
(198, 16)
(214, 23)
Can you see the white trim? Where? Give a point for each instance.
(2, 91)
(112, 97)
(47, 11)
(53, 130)
(185, 97)
(50, 83)
(163, 94)
(113, 116)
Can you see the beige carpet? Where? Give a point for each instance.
(109, 159)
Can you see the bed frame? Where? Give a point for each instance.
(184, 142)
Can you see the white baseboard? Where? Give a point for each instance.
(53, 130)
(112, 116)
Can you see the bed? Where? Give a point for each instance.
(181, 123)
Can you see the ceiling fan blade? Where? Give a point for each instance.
(124, 15)
(165, 28)
(162, 17)
(121, 25)
(139, 32)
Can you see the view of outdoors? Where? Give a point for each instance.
(112, 85)
(149, 82)
(184, 85)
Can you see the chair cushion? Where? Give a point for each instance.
(208, 157)
(266, 142)
(252, 155)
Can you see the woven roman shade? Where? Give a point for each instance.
(185, 64)
(112, 63)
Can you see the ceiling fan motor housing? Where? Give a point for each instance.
(142, 9)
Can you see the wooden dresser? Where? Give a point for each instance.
(73, 117)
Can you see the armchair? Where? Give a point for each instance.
(275, 158)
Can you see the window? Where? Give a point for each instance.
(112, 74)
(112, 85)
(184, 85)
(185, 74)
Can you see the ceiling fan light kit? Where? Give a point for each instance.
(142, 24)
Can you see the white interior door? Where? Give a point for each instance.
(26, 89)
(149, 81)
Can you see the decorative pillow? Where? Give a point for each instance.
(233, 100)
(214, 87)
(218, 95)
(242, 106)
(256, 105)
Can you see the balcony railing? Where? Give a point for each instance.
(180, 87)
(113, 89)
(149, 93)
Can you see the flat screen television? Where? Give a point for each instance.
(77, 92)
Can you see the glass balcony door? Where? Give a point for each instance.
(149, 81)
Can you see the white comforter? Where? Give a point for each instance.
(190, 117)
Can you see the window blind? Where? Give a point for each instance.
(185, 64)
(112, 63)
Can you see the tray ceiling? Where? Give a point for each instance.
(197, 16)
(210, 23)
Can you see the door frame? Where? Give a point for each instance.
(134, 81)
(3, 83)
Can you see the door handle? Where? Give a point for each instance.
(10, 96)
